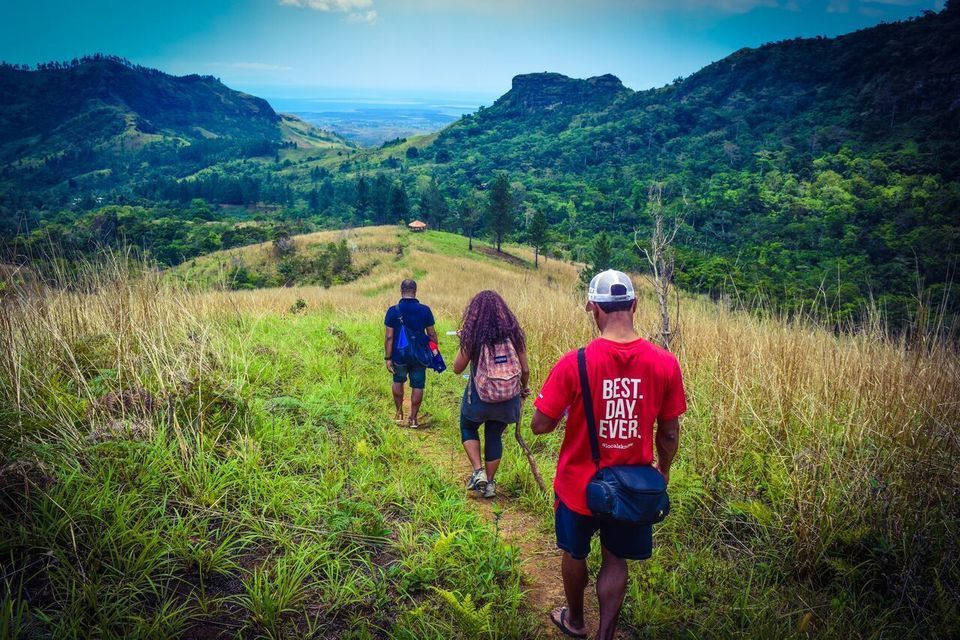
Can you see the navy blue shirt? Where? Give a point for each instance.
(417, 317)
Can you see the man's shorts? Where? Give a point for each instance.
(418, 375)
(624, 539)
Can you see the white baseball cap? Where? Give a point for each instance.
(610, 286)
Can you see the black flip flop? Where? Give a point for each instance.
(562, 625)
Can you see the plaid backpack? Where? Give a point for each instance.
(497, 375)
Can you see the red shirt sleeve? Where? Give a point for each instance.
(559, 389)
(674, 398)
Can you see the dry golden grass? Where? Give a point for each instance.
(53, 338)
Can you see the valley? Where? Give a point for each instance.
(370, 122)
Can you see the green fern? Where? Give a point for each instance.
(761, 513)
(686, 488)
(473, 621)
(444, 541)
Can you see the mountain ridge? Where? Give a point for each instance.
(806, 169)
(534, 92)
(122, 99)
(102, 124)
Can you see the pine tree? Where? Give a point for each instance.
(469, 219)
(399, 203)
(600, 257)
(363, 198)
(537, 232)
(381, 199)
(433, 206)
(500, 209)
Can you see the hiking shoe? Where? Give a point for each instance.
(491, 490)
(477, 480)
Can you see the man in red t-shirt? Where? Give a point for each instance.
(633, 384)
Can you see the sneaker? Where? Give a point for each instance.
(477, 480)
(491, 490)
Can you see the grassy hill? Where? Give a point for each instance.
(192, 463)
(373, 250)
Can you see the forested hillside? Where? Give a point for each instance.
(805, 167)
(101, 130)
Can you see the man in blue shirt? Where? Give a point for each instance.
(418, 318)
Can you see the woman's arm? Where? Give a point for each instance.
(461, 362)
(524, 374)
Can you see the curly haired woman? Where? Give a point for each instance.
(487, 325)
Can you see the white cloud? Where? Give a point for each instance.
(368, 17)
(352, 7)
(358, 11)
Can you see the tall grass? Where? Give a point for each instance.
(174, 467)
(816, 487)
(831, 457)
(110, 325)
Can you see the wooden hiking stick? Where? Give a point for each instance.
(523, 445)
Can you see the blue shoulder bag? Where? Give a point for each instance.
(410, 349)
(632, 493)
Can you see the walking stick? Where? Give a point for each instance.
(523, 445)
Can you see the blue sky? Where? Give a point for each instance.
(303, 48)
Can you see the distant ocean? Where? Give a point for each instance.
(372, 119)
(450, 107)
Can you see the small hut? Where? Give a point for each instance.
(417, 226)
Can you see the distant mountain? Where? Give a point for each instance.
(103, 100)
(791, 162)
(818, 171)
(103, 123)
(103, 104)
(556, 94)
(877, 89)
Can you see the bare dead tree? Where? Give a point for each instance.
(657, 249)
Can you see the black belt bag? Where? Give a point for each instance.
(631, 493)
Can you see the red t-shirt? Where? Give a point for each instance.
(633, 384)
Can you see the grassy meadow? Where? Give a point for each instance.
(201, 463)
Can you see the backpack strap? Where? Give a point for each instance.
(472, 381)
(471, 385)
(588, 406)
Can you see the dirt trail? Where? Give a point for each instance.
(539, 556)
